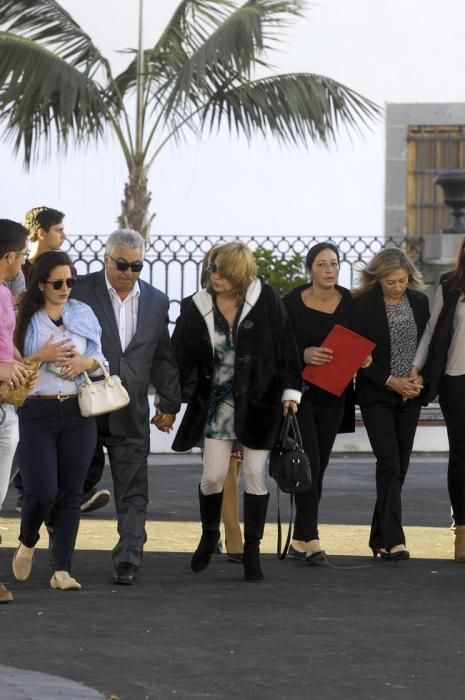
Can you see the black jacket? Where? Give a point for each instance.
(148, 359)
(436, 361)
(266, 363)
(370, 320)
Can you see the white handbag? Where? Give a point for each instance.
(103, 395)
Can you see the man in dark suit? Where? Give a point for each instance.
(135, 340)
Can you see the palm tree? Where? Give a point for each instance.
(56, 87)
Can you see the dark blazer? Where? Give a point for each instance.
(370, 320)
(436, 361)
(148, 360)
(266, 363)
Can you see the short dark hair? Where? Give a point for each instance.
(13, 237)
(41, 217)
(316, 250)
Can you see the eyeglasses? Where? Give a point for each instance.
(24, 254)
(124, 265)
(57, 284)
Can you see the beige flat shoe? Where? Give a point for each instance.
(5, 595)
(67, 583)
(21, 564)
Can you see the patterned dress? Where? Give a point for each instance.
(220, 419)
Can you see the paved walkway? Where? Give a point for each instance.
(17, 684)
(357, 629)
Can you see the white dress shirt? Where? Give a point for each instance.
(126, 311)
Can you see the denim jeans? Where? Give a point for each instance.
(8, 441)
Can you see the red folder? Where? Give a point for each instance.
(350, 350)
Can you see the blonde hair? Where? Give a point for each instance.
(385, 262)
(207, 259)
(236, 263)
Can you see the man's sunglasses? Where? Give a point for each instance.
(123, 265)
(57, 284)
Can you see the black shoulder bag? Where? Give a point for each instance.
(290, 468)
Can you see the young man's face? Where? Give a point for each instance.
(15, 259)
(53, 238)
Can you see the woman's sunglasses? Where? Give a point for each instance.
(57, 284)
(123, 265)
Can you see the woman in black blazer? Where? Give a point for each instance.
(389, 309)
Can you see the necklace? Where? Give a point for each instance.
(57, 321)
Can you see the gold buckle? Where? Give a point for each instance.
(62, 397)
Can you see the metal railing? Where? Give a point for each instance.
(173, 263)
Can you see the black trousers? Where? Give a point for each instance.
(55, 446)
(391, 424)
(451, 400)
(319, 426)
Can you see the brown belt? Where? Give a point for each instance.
(55, 397)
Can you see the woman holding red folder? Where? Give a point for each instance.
(314, 309)
(390, 309)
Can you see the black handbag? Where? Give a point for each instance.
(289, 466)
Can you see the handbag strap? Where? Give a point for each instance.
(296, 430)
(106, 373)
(281, 554)
(285, 428)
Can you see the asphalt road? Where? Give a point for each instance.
(357, 629)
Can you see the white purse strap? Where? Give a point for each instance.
(106, 373)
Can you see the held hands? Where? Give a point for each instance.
(289, 406)
(317, 356)
(407, 387)
(163, 421)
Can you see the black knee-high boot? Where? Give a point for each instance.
(255, 508)
(210, 516)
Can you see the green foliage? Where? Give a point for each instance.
(282, 273)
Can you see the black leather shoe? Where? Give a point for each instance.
(125, 574)
(293, 553)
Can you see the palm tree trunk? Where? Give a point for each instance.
(136, 202)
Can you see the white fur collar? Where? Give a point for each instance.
(204, 302)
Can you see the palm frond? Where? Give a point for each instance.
(235, 47)
(47, 23)
(298, 107)
(171, 51)
(41, 96)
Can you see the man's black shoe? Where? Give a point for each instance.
(94, 499)
(125, 574)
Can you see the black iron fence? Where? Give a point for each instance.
(173, 263)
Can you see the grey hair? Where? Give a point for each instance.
(127, 237)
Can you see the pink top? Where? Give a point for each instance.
(7, 324)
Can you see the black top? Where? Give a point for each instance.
(370, 320)
(311, 328)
